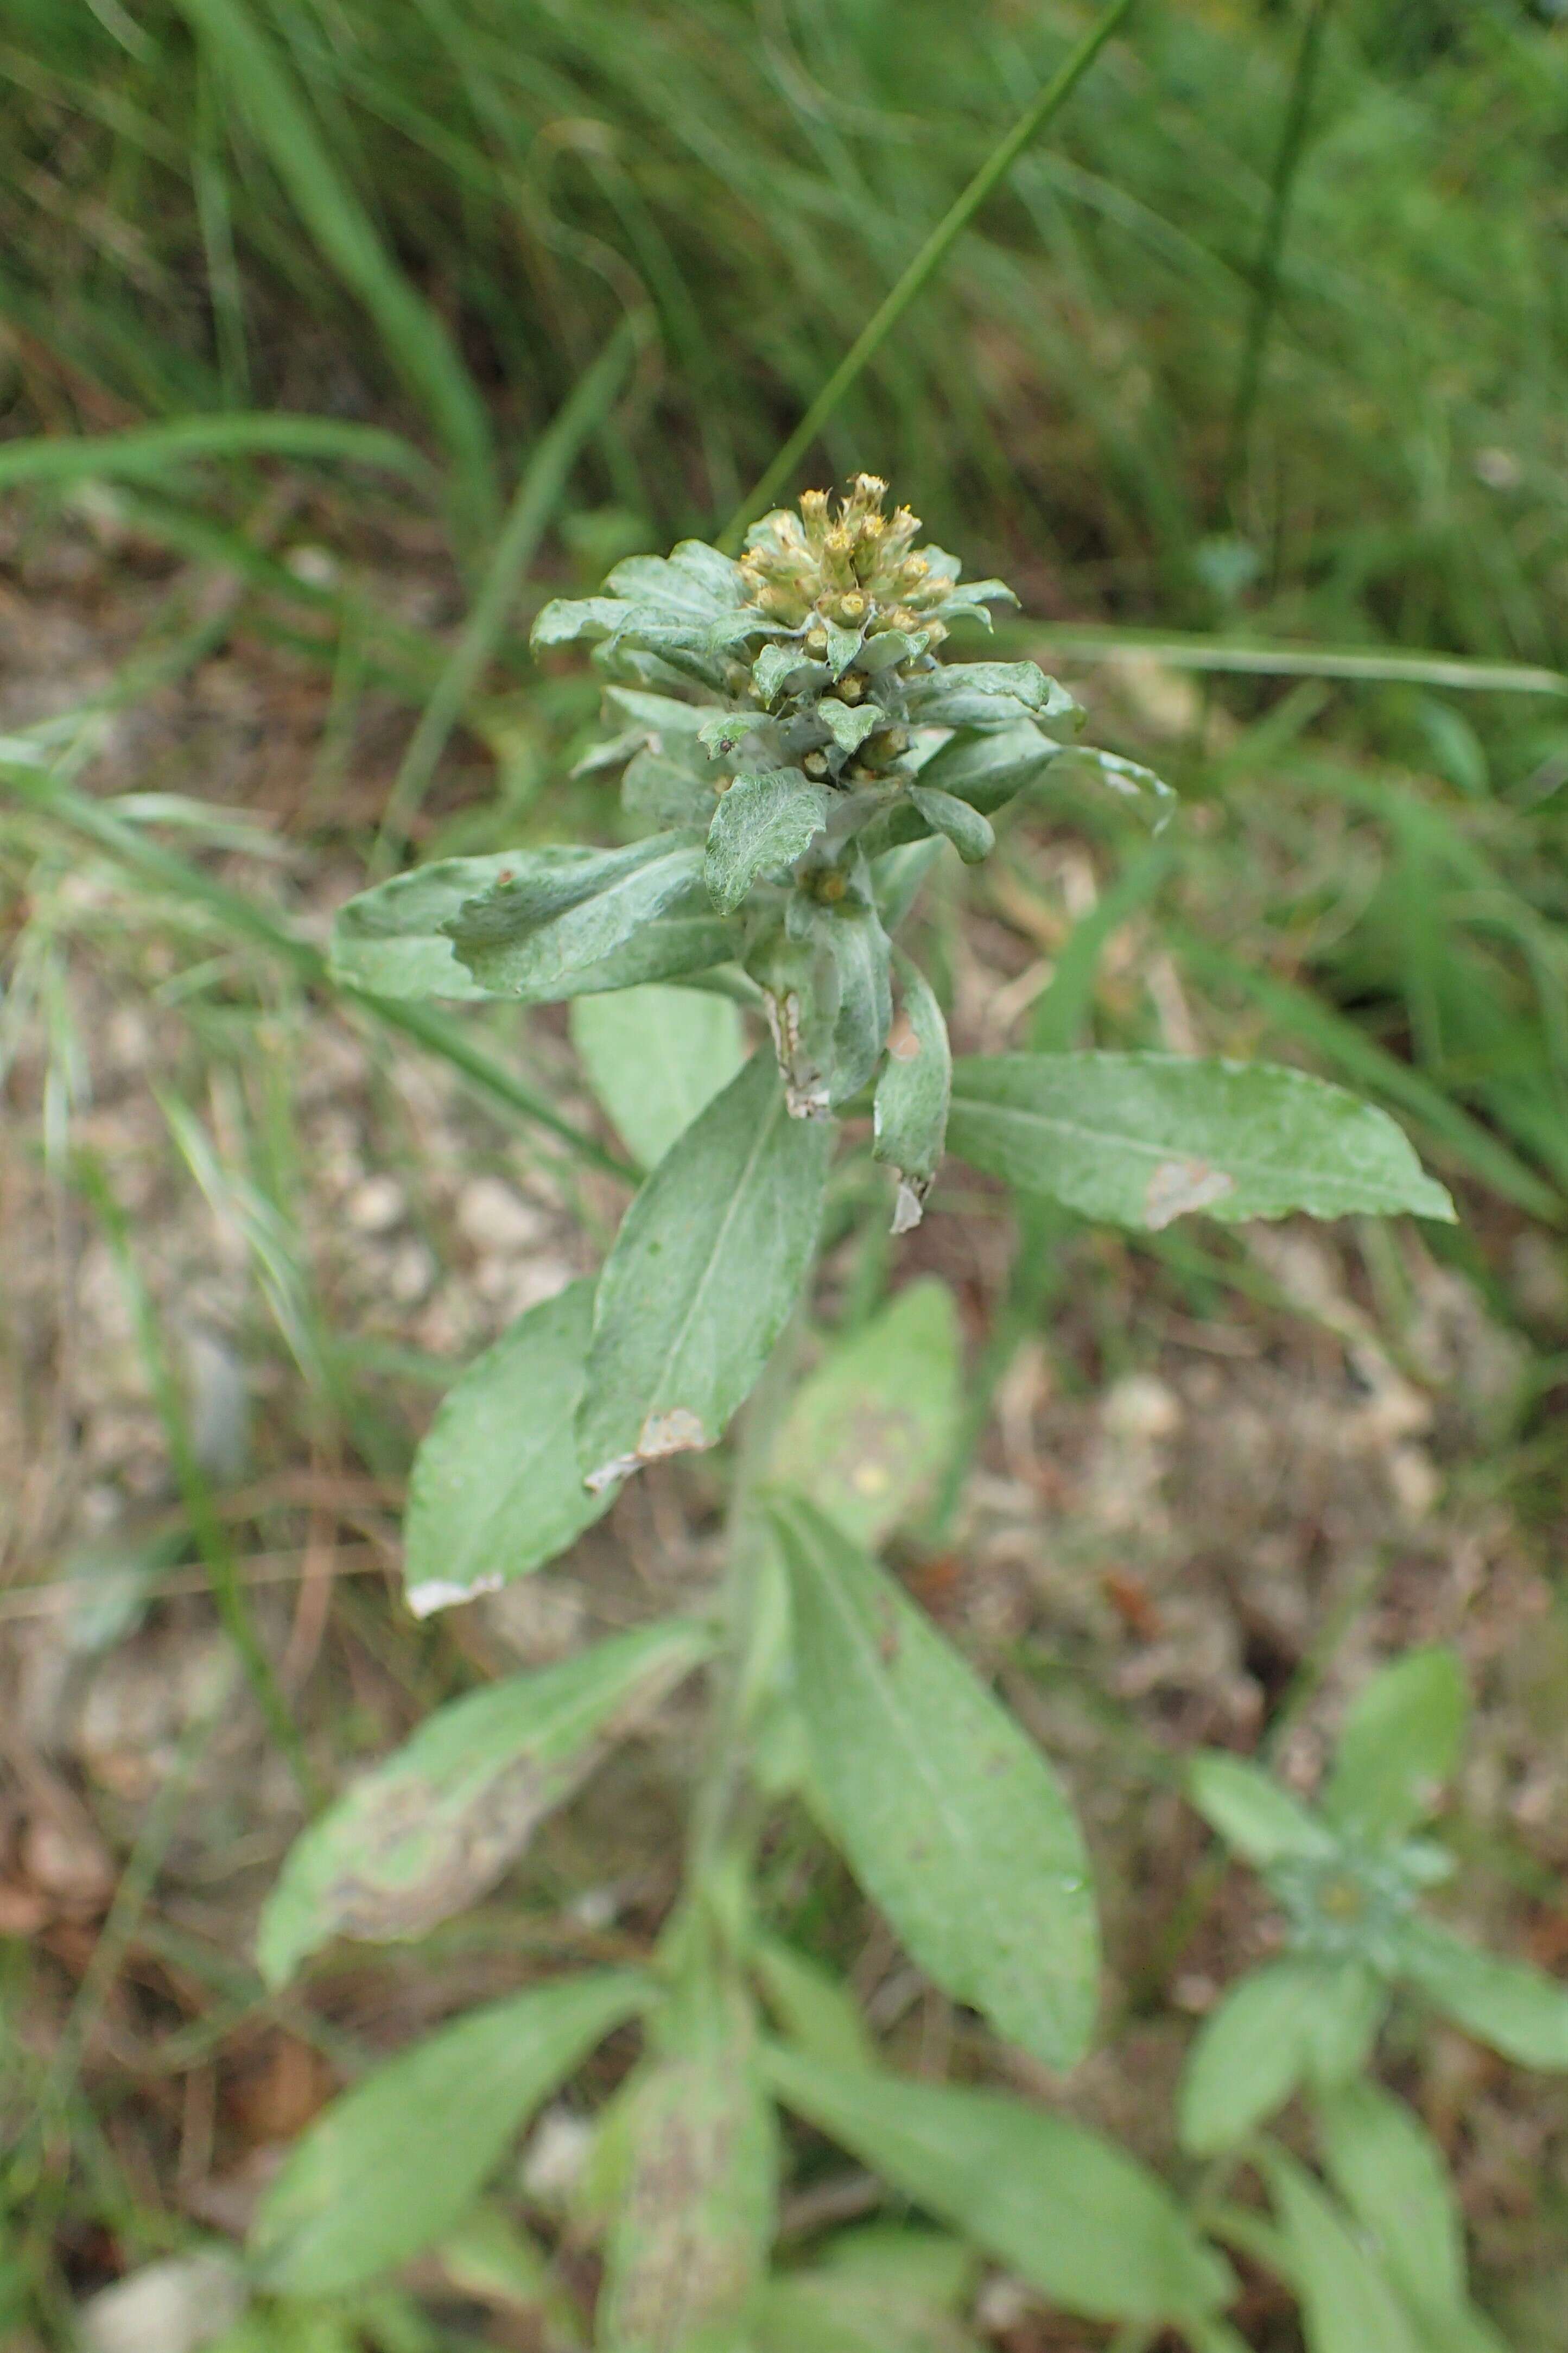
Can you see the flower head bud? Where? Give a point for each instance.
(851, 686)
(816, 764)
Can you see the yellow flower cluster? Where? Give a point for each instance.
(855, 570)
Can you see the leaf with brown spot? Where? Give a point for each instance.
(1142, 1138)
(689, 2243)
(708, 1264)
(437, 1823)
(868, 1432)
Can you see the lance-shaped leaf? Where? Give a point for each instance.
(762, 823)
(1401, 1742)
(390, 2166)
(957, 822)
(708, 1264)
(1347, 2303)
(908, 1121)
(1519, 2009)
(443, 1817)
(524, 937)
(1392, 2176)
(1251, 1812)
(658, 718)
(867, 1434)
(1149, 794)
(953, 1822)
(988, 695)
(672, 788)
(897, 876)
(689, 2243)
(989, 770)
(655, 1058)
(496, 1489)
(1090, 2228)
(1288, 2021)
(812, 2006)
(831, 2313)
(861, 960)
(1142, 1139)
(394, 939)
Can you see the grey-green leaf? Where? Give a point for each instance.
(1519, 2009)
(721, 733)
(1251, 1812)
(988, 695)
(988, 770)
(860, 956)
(812, 2006)
(970, 833)
(1150, 795)
(1401, 1742)
(392, 2165)
(1392, 2176)
(848, 724)
(517, 943)
(1253, 2051)
(1090, 2228)
(1142, 1139)
(706, 1268)
(393, 940)
(868, 1432)
(823, 2312)
(762, 823)
(495, 1489)
(955, 1822)
(1348, 2304)
(689, 2243)
(655, 1058)
(438, 1821)
(909, 1116)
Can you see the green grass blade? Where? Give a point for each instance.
(538, 496)
(1264, 658)
(148, 452)
(413, 334)
(1266, 279)
(425, 1024)
(926, 261)
(213, 1539)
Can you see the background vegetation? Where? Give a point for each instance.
(1284, 485)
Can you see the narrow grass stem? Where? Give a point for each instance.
(131, 1895)
(924, 266)
(208, 1523)
(538, 495)
(1266, 277)
(425, 1024)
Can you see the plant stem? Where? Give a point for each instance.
(926, 261)
(715, 1830)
